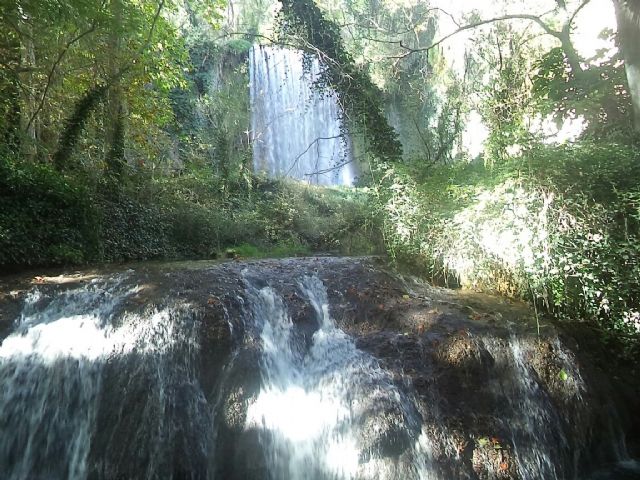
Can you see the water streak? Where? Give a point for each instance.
(76, 365)
(329, 410)
(296, 130)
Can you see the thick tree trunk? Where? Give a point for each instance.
(629, 41)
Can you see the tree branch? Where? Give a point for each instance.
(61, 55)
(330, 169)
(580, 7)
(315, 142)
(471, 26)
(118, 74)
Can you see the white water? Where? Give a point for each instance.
(50, 383)
(52, 369)
(325, 409)
(90, 390)
(540, 446)
(296, 130)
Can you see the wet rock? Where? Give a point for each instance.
(239, 387)
(385, 430)
(492, 461)
(472, 365)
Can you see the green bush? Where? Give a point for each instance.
(45, 218)
(559, 226)
(49, 218)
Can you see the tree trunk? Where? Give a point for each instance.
(569, 50)
(28, 127)
(629, 42)
(115, 104)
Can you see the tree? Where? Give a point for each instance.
(38, 40)
(628, 19)
(360, 98)
(563, 35)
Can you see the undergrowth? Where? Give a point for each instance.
(559, 226)
(53, 218)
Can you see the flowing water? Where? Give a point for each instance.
(297, 130)
(76, 368)
(96, 386)
(326, 409)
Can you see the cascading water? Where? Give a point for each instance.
(325, 410)
(96, 383)
(296, 130)
(50, 380)
(74, 371)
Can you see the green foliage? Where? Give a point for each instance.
(359, 97)
(45, 217)
(74, 125)
(247, 250)
(506, 101)
(600, 94)
(51, 218)
(558, 226)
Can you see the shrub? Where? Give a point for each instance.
(559, 226)
(45, 217)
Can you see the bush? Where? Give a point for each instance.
(46, 217)
(49, 218)
(559, 226)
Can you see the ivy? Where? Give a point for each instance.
(75, 124)
(360, 98)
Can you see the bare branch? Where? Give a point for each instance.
(533, 18)
(315, 142)
(573, 16)
(327, 170)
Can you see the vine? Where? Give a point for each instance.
(360, 98)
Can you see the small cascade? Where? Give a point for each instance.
(296, 130)
(50, 375)
(532, 434)
(89, 390)
(127, 378)
(326, 410)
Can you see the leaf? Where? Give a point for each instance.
(563, 375)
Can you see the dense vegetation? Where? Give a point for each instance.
(52, 219)
(125, 136)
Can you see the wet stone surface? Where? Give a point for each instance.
(473, 365)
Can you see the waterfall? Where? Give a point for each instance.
(123, 377)
(79, 379)
(296, 130)
(325, 410)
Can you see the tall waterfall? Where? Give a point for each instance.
(296, 130)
